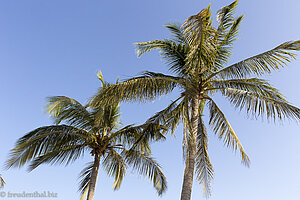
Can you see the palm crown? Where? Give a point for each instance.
(94, 130)
(197, 55)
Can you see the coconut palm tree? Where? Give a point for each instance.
(94, 130)
(198, 55)
(2, 182)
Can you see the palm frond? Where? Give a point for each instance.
(225, 16)
(61, 155)
(142, 88)
(223, 129)
(254, 85)
(202, 42)
(176, 30)
(204, 169)
(223, 49)
(115, 166)
(173, 52)
(261, 63)
(106, 118)
(44, 140)
(256, 104)
(69, 110)
(85, 176)
(146, 166)
(170, 116)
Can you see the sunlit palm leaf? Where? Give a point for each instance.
(255, 85)
(204, 169)
(173, 53)
(45, 140)
(115, 166)
(260, 105)
(223, 129)
(147, 166)
(177, 32)
(202, 41)
(69, 110)
(261, 63)
(142, 88)
(65, 154)
(225, 16)
(85, 176)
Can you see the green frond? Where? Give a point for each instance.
(106, 118)
(262, 105)
(176, 30)
(202, 41)
(254, 85)
(223, 50)
(65, 154)
(170, 116)
(100, 77)
(66, 109)
(115, 166)
(204, 169)
(225, 16)
(142, 88)
(150, 131)
(173, 53)
(223, 129)
(139, 137)
(147, 166)
(85, 176)
(45, 140)
(261, 63)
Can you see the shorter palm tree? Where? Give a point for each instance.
(2, 182)
(94, 130)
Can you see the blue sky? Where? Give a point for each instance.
(56, 47)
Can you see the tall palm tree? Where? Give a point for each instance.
(197, 55)
(94, 130)
(2, 182)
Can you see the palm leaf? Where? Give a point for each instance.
(173, 52)
(85, 176)
(255, 85)
(223, 129)
(204, 169)
(259, 105)
(115, 166)
(142, 88)
(261, 63)
(147, 166)
(202, 41)
(44, 140)
(225, 16)
(67, 109)
(61, 155)
(176, 30)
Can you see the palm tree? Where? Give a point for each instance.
(197, 55)
(2, 182)
(94, 130)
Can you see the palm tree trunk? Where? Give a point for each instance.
(94, 176)
(191, 153)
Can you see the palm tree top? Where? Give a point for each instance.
(79, 129)
(197, 56)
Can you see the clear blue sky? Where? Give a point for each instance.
(56, 47)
